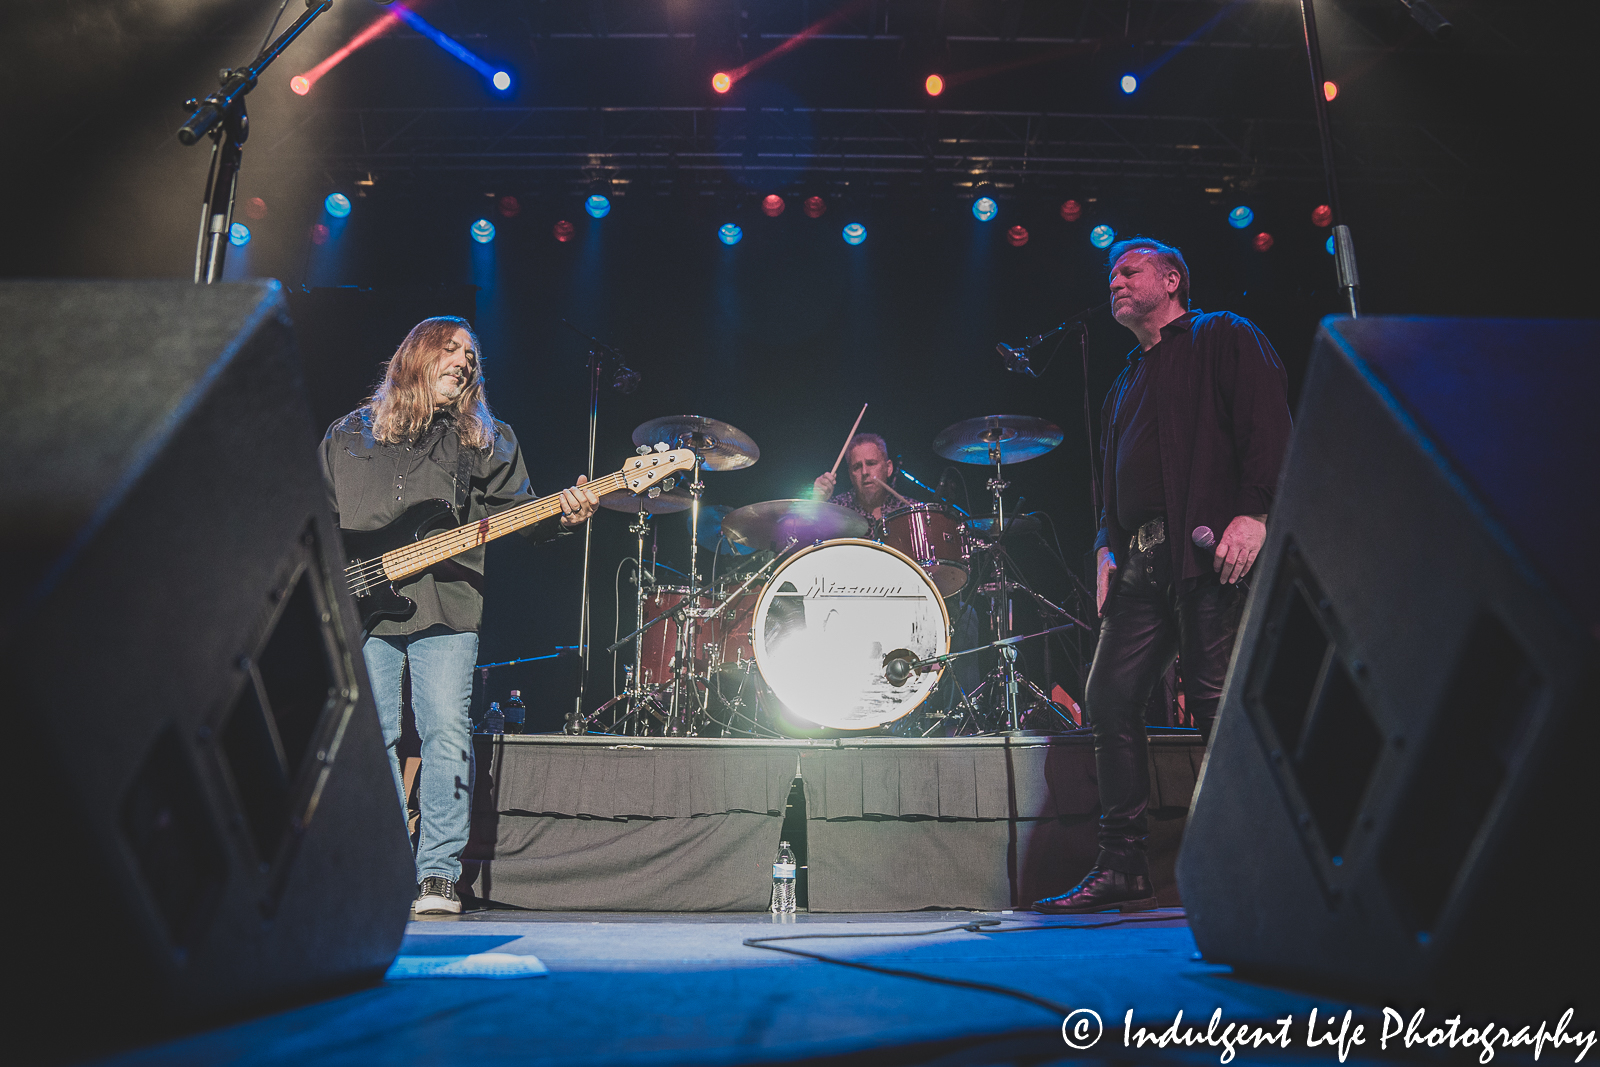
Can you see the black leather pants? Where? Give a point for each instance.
(1148, 622)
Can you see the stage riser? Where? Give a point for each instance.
(586, 824)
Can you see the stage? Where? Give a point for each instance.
(879, 823)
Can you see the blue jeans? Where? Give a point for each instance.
(441, 698)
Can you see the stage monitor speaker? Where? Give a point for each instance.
(1395, 801)
(203, 819)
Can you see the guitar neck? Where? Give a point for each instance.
(409, 559)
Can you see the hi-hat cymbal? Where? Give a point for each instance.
(1019, 437)
(721, 447)
(633, 503)
(772, 523)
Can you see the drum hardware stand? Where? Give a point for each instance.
(1006, 646)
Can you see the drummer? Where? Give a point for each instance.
(867, 460)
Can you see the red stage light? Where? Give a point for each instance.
(721, 82)
(563, 231)
(815, 206)
(1330, 90)
(1263, 241)
(319, 234)
(299, 84)
(772, 205)
(1017, 236)
(509, 207)
(934, 85)
(1071, 210)
(255, 207)
(302, 83)
(1322, 215)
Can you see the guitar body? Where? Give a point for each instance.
(377, 598)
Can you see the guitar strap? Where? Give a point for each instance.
(464, 457)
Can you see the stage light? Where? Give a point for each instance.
(1018, 236)
(1129, 83)
(337, 205)
(238, 235)
(729, 234)
(501, 80)
(815, 206)
(1071, 210)
(1322, 215)
(1102, 236)
(1330, 90)
(1329, 245)
(1263, 241)
(510, 208)
(300, 85)
(855, 233)
(984, 208)
(415, 21)
(483, 231)
(597, 206)
(772, 205)
(563, 231)
(934, 85)
(319, 234)
(256, 208)
(1240, 217)
(721, 82)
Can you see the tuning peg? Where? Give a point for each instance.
(642, 450)
(661, 446)
(653, 492)
(668, 484)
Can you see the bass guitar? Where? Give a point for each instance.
(426, 533)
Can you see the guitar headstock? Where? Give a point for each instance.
(642, 472)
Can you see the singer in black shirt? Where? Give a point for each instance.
(1193, 434)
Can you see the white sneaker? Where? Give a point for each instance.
(437, 896)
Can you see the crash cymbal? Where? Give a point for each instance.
(721, 447)
(1020, 437)
(633, 503)
(774, 522)
(711, 531)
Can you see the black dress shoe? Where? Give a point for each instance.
(1102, 890)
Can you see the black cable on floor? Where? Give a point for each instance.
(973, 927)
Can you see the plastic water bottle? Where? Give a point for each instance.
(783, 872)
(494, 720)
(516, 713)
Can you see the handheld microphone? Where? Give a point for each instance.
(1203, 537)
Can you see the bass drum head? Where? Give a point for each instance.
(824, 623)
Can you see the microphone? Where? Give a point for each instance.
(898, 665)
(1016, 359)
(626, 379)
(1203, 537)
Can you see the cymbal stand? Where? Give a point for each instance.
(680, 716)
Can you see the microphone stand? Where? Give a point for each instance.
(1344, 249)
(223, 116)
(920, 484)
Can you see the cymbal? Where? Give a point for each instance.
(633, 503)
(721, 447)
(1020, 437)
(711, 531)
(774, 522)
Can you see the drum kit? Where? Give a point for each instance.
(845, 625)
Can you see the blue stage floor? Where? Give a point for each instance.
(685, 989)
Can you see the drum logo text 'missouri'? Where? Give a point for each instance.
(822, 587)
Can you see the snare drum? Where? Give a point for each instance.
(824, 623)
(931, 535)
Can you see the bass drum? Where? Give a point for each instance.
(826, 620)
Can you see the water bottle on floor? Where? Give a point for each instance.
(783, 872)
(516, 713)
(494, 720)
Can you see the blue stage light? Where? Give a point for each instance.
(501, 80)
(855, 233)
(483, 231)
(337, 205)
(729, 234)
(597, 206)
(238, 235)
(1240, 217)
(1129, 83)
(1102, 236)
(984, 208)
(1329, 246)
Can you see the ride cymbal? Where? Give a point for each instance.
(721, 447)
(1018, 438)
(771, 523)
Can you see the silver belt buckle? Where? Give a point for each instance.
(1150, 535)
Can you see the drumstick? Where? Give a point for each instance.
(898, 496)
(847, 441)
